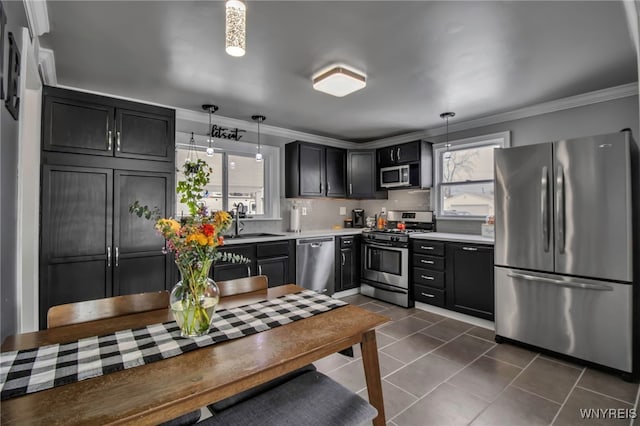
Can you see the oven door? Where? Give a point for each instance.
(385, 264)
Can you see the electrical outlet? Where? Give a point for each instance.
(383, 210)
(304, 211)
(343, 211)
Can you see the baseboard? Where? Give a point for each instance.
(456, 315)
(345, 293)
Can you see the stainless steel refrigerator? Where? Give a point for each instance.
(563, 247)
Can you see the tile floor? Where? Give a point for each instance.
(440, 371)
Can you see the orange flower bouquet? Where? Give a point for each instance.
(194, 240)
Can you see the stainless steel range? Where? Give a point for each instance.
(385, 256)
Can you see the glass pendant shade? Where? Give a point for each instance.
(259, 156)
(235, 28)
(209, 152)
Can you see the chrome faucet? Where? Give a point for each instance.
(237, 225)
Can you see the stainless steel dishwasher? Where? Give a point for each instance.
(315, 260)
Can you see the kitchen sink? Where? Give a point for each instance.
(252, 235)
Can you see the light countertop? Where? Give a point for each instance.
(446, 236)
(294, 235)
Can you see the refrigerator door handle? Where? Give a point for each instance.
(560, 208)
(570, 284)
(544, 207)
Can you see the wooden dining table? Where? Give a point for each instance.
(163, 390)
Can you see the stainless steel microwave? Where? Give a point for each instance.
(391, 177)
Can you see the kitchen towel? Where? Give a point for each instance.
(32, 370)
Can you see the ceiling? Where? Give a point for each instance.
(421, 58)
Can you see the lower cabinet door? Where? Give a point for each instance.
(276, 269)
(142, 274)
(225, 272)
(470, 287)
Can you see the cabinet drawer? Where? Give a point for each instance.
(428, 262)
(428, 277)
(428, 295)
(278, 248)
(428, 247)
(347, 242)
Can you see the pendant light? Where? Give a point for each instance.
(235, 28)
(445, 116)
(192, 155)
(259, 119)
(211, 108)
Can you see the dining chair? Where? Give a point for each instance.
(92, 310)
(243, 285)
(110, 307)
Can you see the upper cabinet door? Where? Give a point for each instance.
(361, 168)
(144, 135)
(336, 172)
(312, 177)
(77, 126)
(524, 206)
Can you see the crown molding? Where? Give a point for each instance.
(265, 129)
(581, 100)
(47, 66)
(37, 16)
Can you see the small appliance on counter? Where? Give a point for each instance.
(294, 219)
(357, 218)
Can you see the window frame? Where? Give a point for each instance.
(271, 161)
(502, 138)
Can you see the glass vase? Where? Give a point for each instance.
(194, 298)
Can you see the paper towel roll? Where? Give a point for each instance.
(294, 219)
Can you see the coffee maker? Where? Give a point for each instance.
(357, 217)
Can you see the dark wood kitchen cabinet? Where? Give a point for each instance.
(313, 170)
(91, 247)
(275, 259)
(400, 154)
(98, 156)
(361, 175)
(428, 272)
(456, 276)
(347, 262)
(470, 287)
(83, 123)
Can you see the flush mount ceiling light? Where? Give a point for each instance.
(236, 15)
(339, 81)
(211, 109)
(259, 119)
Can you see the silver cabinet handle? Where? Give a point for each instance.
(544, 205)
(328, 187)
(248, 271)
(350, 188)
(391, 154)
(428, 262)
(343, 259)
(560, 207)
(118, 141)
(398, 154)
(259, 269)
(117, 256)
(427, 295)
(570, 284)
(427, 277)
(469, 248)
(109, 257)
(426, 247)
(109, 140)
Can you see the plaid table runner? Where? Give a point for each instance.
(33, 370)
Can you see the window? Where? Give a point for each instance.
(237, 178)
(464, 176)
